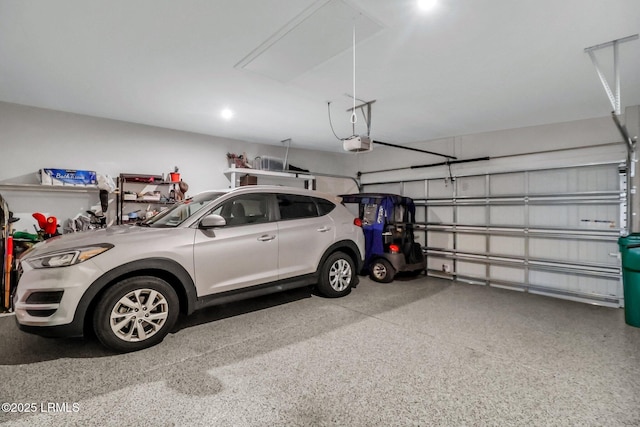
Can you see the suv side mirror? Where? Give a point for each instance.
(213, 221)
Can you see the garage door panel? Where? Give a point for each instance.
(506, 274)
(415, 189)
(471, 186)
(554, 181)
(601, 252)
(475, 270)
(553, 216)
(474, 243)
(597, 178)
(507, 245)
(439, 263)
(393, 188)
(507, 184)
(440, 240)
(439, 189)
(576, 285)
(507, 215)
(472, 215)
(599, 217)
(573, 180)
(591, 216)
(440, 214)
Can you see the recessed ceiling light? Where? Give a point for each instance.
(427, 5)
(227, 114)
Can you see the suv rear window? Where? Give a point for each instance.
(293, 206)
(324, 206)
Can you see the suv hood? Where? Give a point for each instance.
(115, 235)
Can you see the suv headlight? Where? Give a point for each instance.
(68, 257)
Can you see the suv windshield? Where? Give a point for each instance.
(180, 212)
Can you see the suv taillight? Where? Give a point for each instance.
(357, 222)
(395, 249)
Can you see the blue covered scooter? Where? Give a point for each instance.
(388, 221)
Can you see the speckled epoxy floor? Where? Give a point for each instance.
(415, 352)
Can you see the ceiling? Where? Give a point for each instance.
(468, 66)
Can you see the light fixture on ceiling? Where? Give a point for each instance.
(426, 5)
(227, 114)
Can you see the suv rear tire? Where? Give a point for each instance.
(135, 313)
(337, 275)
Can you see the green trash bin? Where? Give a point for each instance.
(630, 251)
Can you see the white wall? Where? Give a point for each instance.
(34, 138)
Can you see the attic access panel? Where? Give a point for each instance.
(320, 32)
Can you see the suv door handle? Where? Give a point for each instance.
(266, 237)
(323, 229)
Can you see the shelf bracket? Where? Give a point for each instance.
(614, 98)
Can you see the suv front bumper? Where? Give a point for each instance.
(48, 297)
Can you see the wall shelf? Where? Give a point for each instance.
(153, 202)
(48, 188)
(233, 174)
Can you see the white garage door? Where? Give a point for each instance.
(550, 231)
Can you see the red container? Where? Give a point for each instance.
(174, 176)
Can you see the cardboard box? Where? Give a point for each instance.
(248, 180)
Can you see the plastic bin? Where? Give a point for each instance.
(630, 251)
(270, 163)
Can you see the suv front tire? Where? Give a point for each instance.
(135, 313)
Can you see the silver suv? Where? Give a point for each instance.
(130, 282)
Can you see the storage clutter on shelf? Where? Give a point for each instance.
(151, 190)
(238, 160)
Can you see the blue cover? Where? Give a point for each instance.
(72, 176)
(386, 204)
(373, 232)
